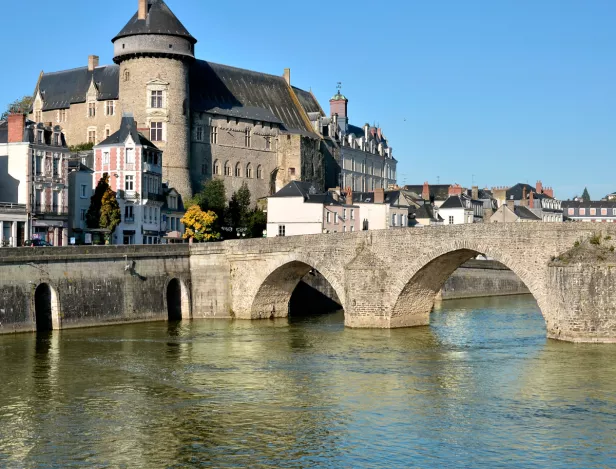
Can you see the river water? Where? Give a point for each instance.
(481, 387)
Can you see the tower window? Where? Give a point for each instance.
(126, 75)
(214, 135)
(268, 143)
(156, 99)
(199, 133)
(156, 131)
(123, 46)
(247, 138)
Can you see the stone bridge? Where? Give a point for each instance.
(384, 279)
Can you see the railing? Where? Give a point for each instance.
(152, 168)
(129, 220)
(50, 210)
(127, 195)
(155, 197)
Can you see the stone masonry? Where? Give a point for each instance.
(384, 279)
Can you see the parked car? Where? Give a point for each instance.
(38, 243)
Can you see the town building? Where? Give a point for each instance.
(172, 213)
(461, 209)
(435, 194)
(135, 169)
(593, 211)
(363, 158)
(428, 215)
(540, 200)
(298, 209)
(511, 213)
(211, 120)
(381, 210)
(611, 197)
(34, 189)
(80, 191)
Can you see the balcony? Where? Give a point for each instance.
(129, 220)
(154, 197)
(127, 195)
(152, 168)
(58, 210)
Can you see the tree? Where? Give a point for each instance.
(239, 208)
(110, 211)
(211, 197)
(19, 106)
(93, 216)
(586, 195)
(199, 224)
(257, 222)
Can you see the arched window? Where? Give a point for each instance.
(227, 169)
(216, 170)
(259, 172)
(238, 170)
(249, 171)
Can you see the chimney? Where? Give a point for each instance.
(349, 196)
(456, 189)
(379, 132)
(338, 106)
(539, 187)
(287, 76)
(475, 192)
(425, 194)
(511, 204)
(523, 201)
(531, 200)
(366, 129)
(92, 62)
(143, 9)
(17, 125)
(549, 192)
(379, 196)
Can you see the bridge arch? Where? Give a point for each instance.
(46, 308)
(274, 291)
(177, 299)
(414, 288)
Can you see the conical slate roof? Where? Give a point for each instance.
(159, 20)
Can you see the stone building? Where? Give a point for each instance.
(33, 182)
(210, 120)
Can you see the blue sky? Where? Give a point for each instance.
(490, 91)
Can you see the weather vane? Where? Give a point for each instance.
(339, 86)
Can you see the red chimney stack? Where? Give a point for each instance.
(17, 125)
(539, 187)
(426, 191)
(531, 200)
(456, 189)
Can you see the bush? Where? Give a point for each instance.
(611, 248)
(595, 239)
(608, 238)
(576, 244)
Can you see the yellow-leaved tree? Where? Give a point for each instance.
(199, 224)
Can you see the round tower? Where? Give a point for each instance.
(154, 51)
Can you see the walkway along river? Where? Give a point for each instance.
(480, 387)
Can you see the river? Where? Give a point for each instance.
(481, 387)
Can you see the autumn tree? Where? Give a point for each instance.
(199, 224)
(93, 216)
(110, 211)
(19, 106)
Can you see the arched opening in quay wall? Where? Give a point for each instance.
(178, 301)
(46, 308)
(296, 289)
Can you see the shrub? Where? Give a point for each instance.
(576, 244)
(595, 239)
(608, 238)
(611, 248)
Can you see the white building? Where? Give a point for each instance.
(382, 210)
(172, 213)
(134, 166)
(297, 209)
(460, 210)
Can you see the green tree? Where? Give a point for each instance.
(110, 211)
(93, 216)
(19, 106)
(239, 208)
(211, 197)
(257, 222)
(586, 195)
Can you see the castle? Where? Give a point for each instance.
(211, 120)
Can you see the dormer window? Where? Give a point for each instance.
(39, 136)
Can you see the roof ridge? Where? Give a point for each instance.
(77, 68)
(243, 69)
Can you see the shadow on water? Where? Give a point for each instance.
(308, 304)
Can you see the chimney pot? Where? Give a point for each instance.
(143, 9)
(92, 62)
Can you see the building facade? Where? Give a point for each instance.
(80, 191)
(34, 170)
(135, 167)
(603, 211)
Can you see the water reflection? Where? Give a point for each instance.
(481, 387)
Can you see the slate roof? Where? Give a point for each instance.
(391, 197)
(592, 204)
(525, 213)
(307, 191)
(128, 126)
(481, 194)
(4, 131)
(308, 101)
(61, 89)
(159, 20)
(438, 191)
(453, 202)
(427, 211)
(235, 92)
(518, 190)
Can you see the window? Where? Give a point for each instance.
(282, 230)
(604, 211)
(451, 220)
(82, 191)
(156, 99)
(249, 171)
(56, 164)
(91, 136)
(328, 217)
(39, 165)
(352, 228)
(393, 220)
(227, 169)
(614, 212)
(129, 214)
(247, 138)
(107, 132)
(352, 214)
(593, 211)
(291, 171)
(129, 183)
(268, 143)
(238, 170)
(336, 218)
(105, 157)
(571, 211)
(82, 214)
(126, 72)
(582, 211)
(259, 172)
(55, 202)
(62, 115)
(130, 156)
(213, 135)
(156, 131)
(216, 169)
(344, 229)
(39, 136)
(344, 213)
(91, 109)
(199, 133)
(38, 116)
(110, 108)
(203, 169)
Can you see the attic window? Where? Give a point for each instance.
(123, 46)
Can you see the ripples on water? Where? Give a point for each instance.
(482, 387)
